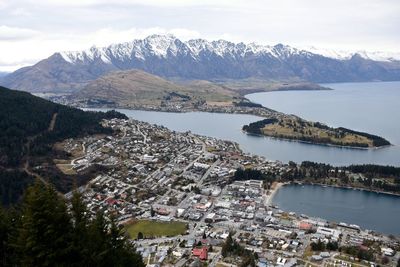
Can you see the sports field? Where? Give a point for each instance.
(151, 228)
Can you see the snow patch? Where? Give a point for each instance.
(163, 45)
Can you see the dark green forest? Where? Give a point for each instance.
(26, 132)
(247, 104)
(255, 127)
(43, 231)
(248, 174)
(25, 117)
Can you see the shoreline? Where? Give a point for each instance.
(242, 113)
(211, 110)
(270, 196)
(349, 188)
(318, 144)
(338, 187)
(264, 136)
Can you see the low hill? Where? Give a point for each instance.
(134, 88)
(29, 126)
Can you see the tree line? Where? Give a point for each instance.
(247, 104)
(255, 127)
(318, 172)
(43, 231)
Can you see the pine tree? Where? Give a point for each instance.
(227, 246)
(97, 233)
(45, 232)
(80, 221)
(140, 236)
(4, 237)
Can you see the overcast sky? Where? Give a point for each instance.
(31, 30)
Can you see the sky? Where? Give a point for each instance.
(31, 30)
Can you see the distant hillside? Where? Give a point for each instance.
(199, 59)
(29, 126)
(2, 74)
(136, 87)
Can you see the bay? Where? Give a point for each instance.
(370, 210)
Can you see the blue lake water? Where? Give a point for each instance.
(370, 210)
(372, 107)
(369, 107)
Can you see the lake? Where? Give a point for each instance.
(370, 107)
(370, 210)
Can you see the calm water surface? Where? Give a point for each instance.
(370, 107)
(370, 210)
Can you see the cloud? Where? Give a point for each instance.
(10, 68)
(107, 36)
(3, 4)
(34, 29)
(160, 3)
(16, 34)
(20, 12)
(24, 52)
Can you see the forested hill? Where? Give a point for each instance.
(29, 126)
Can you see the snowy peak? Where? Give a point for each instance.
(346, 55)
(164, 46)
(160, 45)
(91, 54)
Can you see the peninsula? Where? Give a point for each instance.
(295, 128)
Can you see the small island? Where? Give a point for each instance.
(295, 128)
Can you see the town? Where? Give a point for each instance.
(176, 196)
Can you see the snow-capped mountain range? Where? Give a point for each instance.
(169, 57)
(168, 45)
(165, 46)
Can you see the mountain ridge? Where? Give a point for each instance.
(197, 59)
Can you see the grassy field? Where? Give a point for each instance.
(66, 169)
(155, 228)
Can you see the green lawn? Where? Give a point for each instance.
(155, 228)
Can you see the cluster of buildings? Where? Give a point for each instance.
(152, 173)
